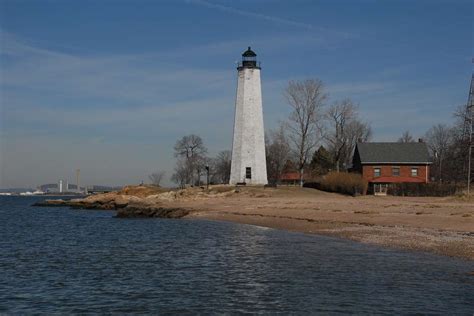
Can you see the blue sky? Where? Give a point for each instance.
(109, 86)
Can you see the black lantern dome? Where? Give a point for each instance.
(249, 59)
(249, 53)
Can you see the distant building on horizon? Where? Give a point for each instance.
(248, 148)
(56, 188)
(72, 188)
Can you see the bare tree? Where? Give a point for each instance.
(449, 148)
(306, 98)
(221, 167)
(200, 164)
(339, 116)
(277, 152)
(190, 146)
(439, 139)
(345, 129)
(406, 138)
(463, 142)
(156, 177)
(357, 131)
(181, 175)
(192, 151)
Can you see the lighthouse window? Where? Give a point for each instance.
(248, 173)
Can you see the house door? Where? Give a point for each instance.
(380, 188)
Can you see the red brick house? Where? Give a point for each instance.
(290, 178)
(384, 163)
(293, 178)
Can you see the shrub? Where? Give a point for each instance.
(422, 189)
(341, 182)
(312, 185)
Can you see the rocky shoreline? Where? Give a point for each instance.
(127, 211)
(135, 202)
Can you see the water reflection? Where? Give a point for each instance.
(66, 261)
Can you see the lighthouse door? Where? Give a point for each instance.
(248, 173)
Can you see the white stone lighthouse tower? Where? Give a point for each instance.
(248, 148)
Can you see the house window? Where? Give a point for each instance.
(248, 173)
(396, 171)
(414, 172)
(376, 172)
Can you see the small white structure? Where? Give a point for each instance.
(248, 148)
(60, 186)
(78, 187)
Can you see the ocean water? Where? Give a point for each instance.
(63, 261)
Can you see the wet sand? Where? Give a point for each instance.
(439, 225)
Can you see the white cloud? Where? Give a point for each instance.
(252, 14)
(126, 78)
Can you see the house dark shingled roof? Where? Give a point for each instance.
(393, 153)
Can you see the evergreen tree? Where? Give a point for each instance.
(322, 161)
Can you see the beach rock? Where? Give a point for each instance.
(51, 203)
(127, 206)
(151, 211)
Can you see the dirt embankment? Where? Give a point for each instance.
(440, 225)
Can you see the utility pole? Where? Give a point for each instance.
(78, 188)
(207, 170)
(470, 152)
(470, 117)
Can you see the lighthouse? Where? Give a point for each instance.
(248, 147)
